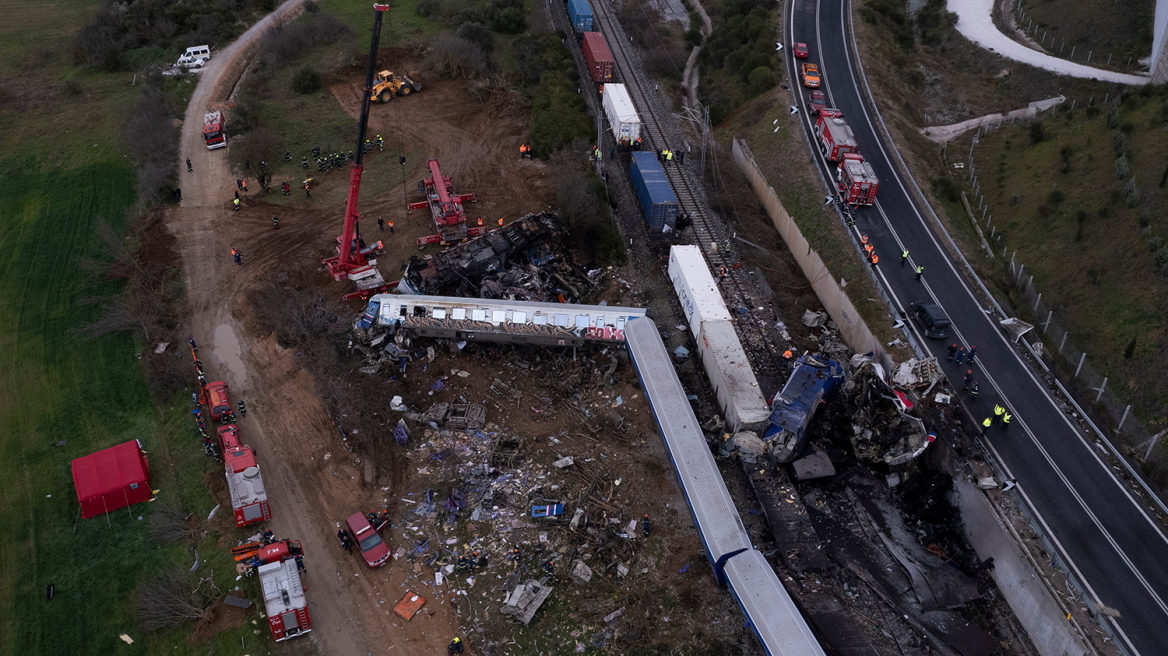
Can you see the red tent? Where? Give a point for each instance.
(112, 478)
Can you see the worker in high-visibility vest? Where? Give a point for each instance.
(500, 222)
(480, 221)
(236, 203)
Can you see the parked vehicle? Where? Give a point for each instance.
(194, 57)
(285, 604)
(932, 318)
(810, 75)
(856, 180)
(213, 133)
(373, 549)
(836, 138)
(817, 101)
(218, 402)
(801, 51)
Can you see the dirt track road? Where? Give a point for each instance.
(312, 481)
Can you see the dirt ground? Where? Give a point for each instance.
(312, 480)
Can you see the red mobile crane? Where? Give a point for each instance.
(446, 207)
(354, 260)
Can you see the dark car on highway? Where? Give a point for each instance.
(816, 101)
(932, 318)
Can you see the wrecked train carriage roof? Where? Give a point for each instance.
(428, 274)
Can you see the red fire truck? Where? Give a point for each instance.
(249, 499)
(835, 135)
(213, 132)
(284, 600)
(857, 181)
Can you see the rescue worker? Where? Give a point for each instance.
(391, 226)
(244, 183)
(300, 563)
(722, 272)
(287, 156)
(235, 255)
(500, 222)
(904, 257)
(952, 352)
(869, 249)
(307, 193)
(239, 184)
(372, 519)
(972, 354)
(242, 408)
(681, 158)
(480, 221)
(875, 259)
(276, 222)
(235, 203)
(788, 354)
(346, 543)
(304, 162)
(522, 151)
(269, 537)
(968, 378)
(462, 565)
(515, 555)
(973, 391)
(550, 568)
(961, 355)
(474, 559)
(194, 347)
(287, 188)
(645, 526)
(999, 411)
(920, 272)
(351, 158)
(864, 240)
(482, 561)
(189, 169)
(669, 157)
(380, 143)
(316, 150)
(455, 647)
(381, 224)
(985, 425)
(1006, 421)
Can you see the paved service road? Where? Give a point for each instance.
(1103, 534)
(975, 22)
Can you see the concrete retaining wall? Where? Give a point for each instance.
(853, 330)
(1029, 598)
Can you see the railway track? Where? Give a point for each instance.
(711, 234)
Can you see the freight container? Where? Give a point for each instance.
(653, 190)
(581, 14)
(621, 114)
(735, 386)
(598, 56)
(695, 288)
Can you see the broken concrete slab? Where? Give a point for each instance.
(522, 602)
(563, 462)
(749, 444)
(581, 572)
(816, 465)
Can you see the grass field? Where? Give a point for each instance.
(1061, 203)
(1122, 28)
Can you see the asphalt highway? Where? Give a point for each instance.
(1104, 535)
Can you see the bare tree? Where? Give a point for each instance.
(172, 597)
(576, 193)
(169, 524)
(454, 56)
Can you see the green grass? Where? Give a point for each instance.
(401, 24)
(1102, 278)
(30, 26)
(1122, 28)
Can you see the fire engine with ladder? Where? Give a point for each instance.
(446, 208)
(285, 603)
(354, 259)
(835, 135)
(856, 180)
(249, 499)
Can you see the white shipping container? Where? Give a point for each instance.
(695, 288)
(621, 113)
(739, 395)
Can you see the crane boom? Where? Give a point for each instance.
(351, 261)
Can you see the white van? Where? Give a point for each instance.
(195, 57)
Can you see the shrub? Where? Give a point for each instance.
(1113, 117)
(1056, 197)
(761, 79)
(1037, 134)
(311, 7)
(948, 189)
(150, 135)
(1118, 143)
(306, 81)
(454, 56)
(478, 34)
(1131, 193)
(1122, 169)
(72, 88)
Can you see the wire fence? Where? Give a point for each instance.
(1058, 46)
(1139, 443)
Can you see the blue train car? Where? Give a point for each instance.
(812, 381)
(580, 12)
(715, 515)
(773, 616)
(653, 190)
